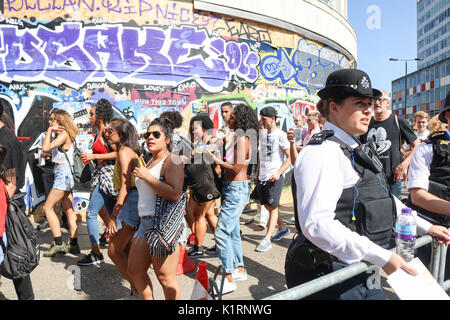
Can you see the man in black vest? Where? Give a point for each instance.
(429, 181)
(345, 210)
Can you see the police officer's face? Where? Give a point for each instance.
(352, 115)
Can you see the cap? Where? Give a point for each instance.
(268, 112)
(446, 108)
(349, 83)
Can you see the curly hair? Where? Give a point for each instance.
(435, 125)
(65, 120)
(245, 118)
(174, 117)
(166, 125)
(104, 110)
(204, 119)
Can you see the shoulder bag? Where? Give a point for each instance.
(163, 238)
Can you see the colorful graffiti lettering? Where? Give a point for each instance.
(73, 55)
(308, 66)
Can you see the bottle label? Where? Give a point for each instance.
(405, 232)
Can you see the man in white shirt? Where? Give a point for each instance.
(421, 119)
(344, 214)
(429, 182)
(274, 159)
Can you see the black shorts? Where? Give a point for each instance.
(270, 192)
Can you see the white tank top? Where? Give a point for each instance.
(147, 196)
(59, 157)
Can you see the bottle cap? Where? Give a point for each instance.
(406, 210)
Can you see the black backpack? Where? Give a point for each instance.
(21, 254)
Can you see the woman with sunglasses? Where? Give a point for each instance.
(124, 218)
(200, 212)
(64, 129)
(103, 193)
(158, 139)
(235, 194)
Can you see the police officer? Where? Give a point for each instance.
(429, 181)
(345, 211)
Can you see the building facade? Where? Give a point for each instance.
(150, 56)
(428, 86)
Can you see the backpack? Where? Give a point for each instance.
(81, 172)
(21, 253)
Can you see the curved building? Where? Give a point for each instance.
(149, 56)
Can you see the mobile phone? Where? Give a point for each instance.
(297, 133)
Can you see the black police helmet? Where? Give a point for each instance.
(348, 83)
(446, 108)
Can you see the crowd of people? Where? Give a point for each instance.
(345, 201)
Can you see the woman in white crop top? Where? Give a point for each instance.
(148, 183)
(65, 130)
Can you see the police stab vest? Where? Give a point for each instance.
(439, 179)
(368, 207)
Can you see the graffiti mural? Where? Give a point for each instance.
(73, 55)
(147, 57)
(308, 66)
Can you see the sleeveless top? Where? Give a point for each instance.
(99, 148)
(59, 157)
(117, 181)
(147, 198)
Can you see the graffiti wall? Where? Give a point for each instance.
(146, 57)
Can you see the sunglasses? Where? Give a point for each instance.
(155, 134)
(52, 119)
(110, 131)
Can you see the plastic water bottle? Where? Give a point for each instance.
(405, 234)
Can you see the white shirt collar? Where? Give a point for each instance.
(341, 134)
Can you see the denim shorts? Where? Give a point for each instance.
(63, 178)
(147, 223)
(129, 213)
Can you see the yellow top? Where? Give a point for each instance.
(117, 181)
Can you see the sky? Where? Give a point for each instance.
(384, 29)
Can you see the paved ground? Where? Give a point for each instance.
(60, 277)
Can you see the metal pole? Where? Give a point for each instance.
(321, 283)
(406, 84)
(441, 275)
(435, 257)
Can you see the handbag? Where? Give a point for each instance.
(81, 172)
(204, 182)
(163, 238)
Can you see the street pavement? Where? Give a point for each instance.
(60, 278)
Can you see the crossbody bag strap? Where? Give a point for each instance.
(158, 198)
(65, 153)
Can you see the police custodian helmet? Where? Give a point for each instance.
(446, 108)
(348, 83)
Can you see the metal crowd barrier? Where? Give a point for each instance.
(437, 269)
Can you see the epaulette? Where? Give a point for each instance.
(320, 137)
(437, 135)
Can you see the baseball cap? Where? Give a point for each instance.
(268, 112)
(446, 108)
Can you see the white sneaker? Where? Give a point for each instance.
(238, 276)
(227, 286)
